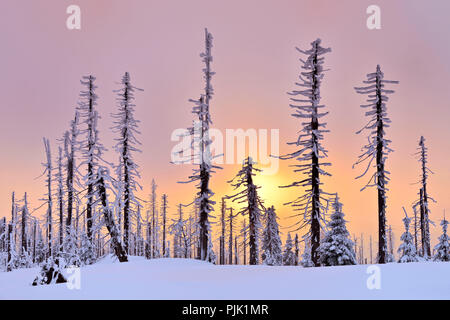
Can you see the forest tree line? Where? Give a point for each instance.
(92, 208)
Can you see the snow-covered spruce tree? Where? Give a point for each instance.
(306, 256)
(49, 176)
(375, 152)
(337, 248)
(177, 229)
(390, 253)
(253, 207)
(271, 243)
(407, 250)
(202, 154)
(422, 203)
(442, 249)
(127, 143)
(310, 151)
(91, 147)
(25, 260)
(288, 254)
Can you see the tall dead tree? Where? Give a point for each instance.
(310, 152)
(375, 152)
(202, 155)
(164, 220)
(60, 198)
(91, 147)
(48, 171)
(230, 234)
(24, 237)
(222, 236)
(70, 142)
(424, 198)
(127, 126)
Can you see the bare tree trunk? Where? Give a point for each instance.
(222, 237)
(24, 247)
(164, 214)
(110, 225)
(380, 179)
(230, 242)
(9, 244)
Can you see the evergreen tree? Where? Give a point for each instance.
(310, 151)
(249, 195)
(306, 256)
(288, 255)
(271, 243)
(337, 248)
(407, 250)
(443, 247)
(377, 148)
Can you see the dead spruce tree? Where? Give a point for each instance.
(202, 155)
(164, 207)
(254, 206)
(230, 236)
(311, 152)
(49, 176)
(127, 127)
(101, 183)
(60, 199)
(422, 203)
(70, 146)
(222, 235)
(91, 147)
(375, 152)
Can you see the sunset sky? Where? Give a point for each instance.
(255, 62)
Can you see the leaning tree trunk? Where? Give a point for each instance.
(119, 250)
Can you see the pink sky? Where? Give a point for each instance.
(159, 43)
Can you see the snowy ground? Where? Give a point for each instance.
(191, 279)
